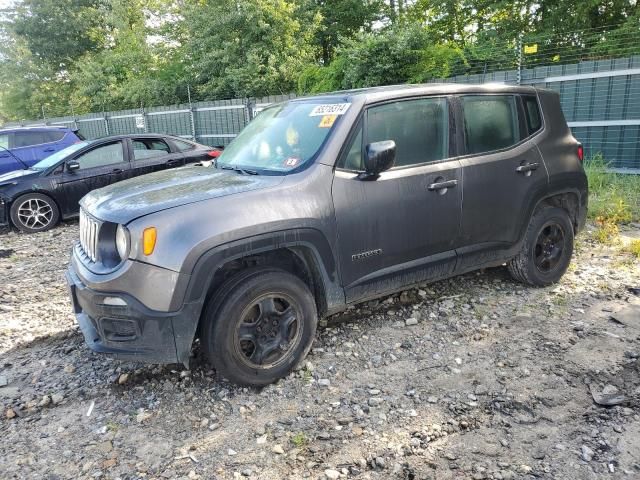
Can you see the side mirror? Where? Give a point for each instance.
(72, 166)
(379, 156)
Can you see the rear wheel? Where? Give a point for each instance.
(259, 326)
(34, 212)
(547, 248)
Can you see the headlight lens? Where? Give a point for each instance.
(122, 242)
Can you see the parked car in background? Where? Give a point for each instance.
(321, 203)
(36, 198)
(24, 147)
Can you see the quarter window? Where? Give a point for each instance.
(420, 129)
(105, 155)
(532, 112)
(183, 146)
(353, 159)
(490, 122)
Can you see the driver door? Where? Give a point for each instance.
(101, 166)
(400, 228)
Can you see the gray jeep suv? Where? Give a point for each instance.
(321, 203)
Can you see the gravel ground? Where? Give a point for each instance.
(473, 377)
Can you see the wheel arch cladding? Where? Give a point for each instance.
(305, 253)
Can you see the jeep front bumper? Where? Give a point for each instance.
(118, 324)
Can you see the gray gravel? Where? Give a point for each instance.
(474, 377)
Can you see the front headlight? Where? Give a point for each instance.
(122, 242)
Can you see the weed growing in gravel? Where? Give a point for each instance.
(634, 248)
(299, 440)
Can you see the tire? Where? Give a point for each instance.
(259, 326)
(546, 250)
(34, 212)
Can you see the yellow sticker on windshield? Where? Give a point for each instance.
(327, 121)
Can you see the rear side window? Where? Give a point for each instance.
(28, 139)
(532, 113)
(4, 141)
(420, 129)
(490, 122)
(145, 148)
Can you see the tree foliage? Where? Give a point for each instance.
(88, 55)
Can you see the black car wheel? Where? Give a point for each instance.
(546, 250)
(34, 212)
(259, 326)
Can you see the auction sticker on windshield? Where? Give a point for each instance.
(327, 121)
(329, 109)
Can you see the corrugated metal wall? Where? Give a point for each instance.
(600, 99)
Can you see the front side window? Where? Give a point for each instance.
(490, 122)
(99, 157)
(420, 129)
(146, 148)
(283, 137)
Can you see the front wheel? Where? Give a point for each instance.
(259, 326)
(547, 248)
(34, 212)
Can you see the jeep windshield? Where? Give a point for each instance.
(282, 138)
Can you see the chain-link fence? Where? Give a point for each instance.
(596, 72)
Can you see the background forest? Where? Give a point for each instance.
(94, 55)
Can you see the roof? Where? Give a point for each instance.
(36, 128)
(374, 94)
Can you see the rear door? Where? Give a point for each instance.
(52, 141)
(100, 166)
(24, 145)
(502, 170)
(402, 227)
(150, 154)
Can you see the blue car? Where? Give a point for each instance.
(22, 148)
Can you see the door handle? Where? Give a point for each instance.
(528, 167)
(173, 161)
(117, 170)
(439, 186)
(49, 149)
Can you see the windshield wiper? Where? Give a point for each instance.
(243, 171)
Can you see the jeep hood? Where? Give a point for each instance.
(130, 199)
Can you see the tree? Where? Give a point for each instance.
(239, 48)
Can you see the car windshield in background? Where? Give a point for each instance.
(51, 160)
(283, 138)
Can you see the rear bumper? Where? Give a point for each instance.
(131, 331)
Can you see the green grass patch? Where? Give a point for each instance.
(613, 197)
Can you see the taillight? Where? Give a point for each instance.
(214, 153)
(581, 153)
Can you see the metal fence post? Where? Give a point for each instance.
(519, 74)
(248, 105)
(192, 116)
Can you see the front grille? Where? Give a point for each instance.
(89, 230)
